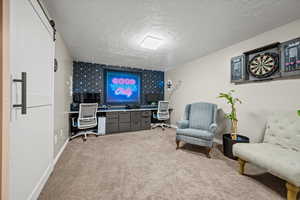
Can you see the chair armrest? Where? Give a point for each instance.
(213, 128)
(73, 122)
(182, 124)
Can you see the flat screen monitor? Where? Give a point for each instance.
(86, 98)
(153, 98)
(122, 87)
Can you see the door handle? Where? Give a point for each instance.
(23, 104)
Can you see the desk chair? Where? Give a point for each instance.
(162, 115)
(87, 119)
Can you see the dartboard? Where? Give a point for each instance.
(263, 65)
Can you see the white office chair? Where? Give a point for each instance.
(87, 119)
(162, 115)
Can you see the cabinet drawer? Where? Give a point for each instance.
(136, 125)
(124, 117)
(112, 115)
(112, 120)
(112, 128)
(123, 127)
(146, 123)
(135, 116)
(146, 113)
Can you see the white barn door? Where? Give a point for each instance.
(31, 128)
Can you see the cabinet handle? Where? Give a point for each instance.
(23, 104)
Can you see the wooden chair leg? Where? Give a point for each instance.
(292, 191)
(208, 152)
(242, 166)
(177, 144)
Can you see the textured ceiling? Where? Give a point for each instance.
(110, 31)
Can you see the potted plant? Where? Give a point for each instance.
(299, 112)
(232, 115)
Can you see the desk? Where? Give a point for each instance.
(121, 119)
(101, 110)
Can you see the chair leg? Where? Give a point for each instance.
(85, 137)
(208, 152)
(92, 133)
(77, 135)
(177, 144)
(242, 166)
(292, 191)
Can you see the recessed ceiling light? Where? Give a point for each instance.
(151, 42)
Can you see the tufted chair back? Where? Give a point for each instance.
(284, 130)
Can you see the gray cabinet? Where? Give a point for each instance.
(124, 117)
(145, 124)
(135, 121)
(112, 122)
(125, 121)
(146, 120)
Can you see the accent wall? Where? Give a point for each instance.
(88, 78)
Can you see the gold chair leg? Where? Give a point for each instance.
(242, 166)
(292, 191)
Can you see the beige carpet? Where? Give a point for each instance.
(145, 166)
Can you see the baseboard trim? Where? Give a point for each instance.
(38, 188)
(60, 152)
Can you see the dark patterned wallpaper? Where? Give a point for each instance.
(88, 77)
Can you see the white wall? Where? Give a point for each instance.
(204, 78)
(62, 97)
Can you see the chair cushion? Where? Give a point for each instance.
(280, 162)
(87, 123)
(196, 133)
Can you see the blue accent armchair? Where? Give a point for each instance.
(198, 126)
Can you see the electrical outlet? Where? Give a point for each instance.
(55, 139)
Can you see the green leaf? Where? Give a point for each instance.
(298, 112)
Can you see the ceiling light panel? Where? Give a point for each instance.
(151, 42)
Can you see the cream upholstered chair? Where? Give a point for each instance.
(279, 153)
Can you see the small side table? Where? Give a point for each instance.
(228, 143)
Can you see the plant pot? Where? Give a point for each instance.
(228, 142)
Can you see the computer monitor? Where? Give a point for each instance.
(153, 98)
(86, 98)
